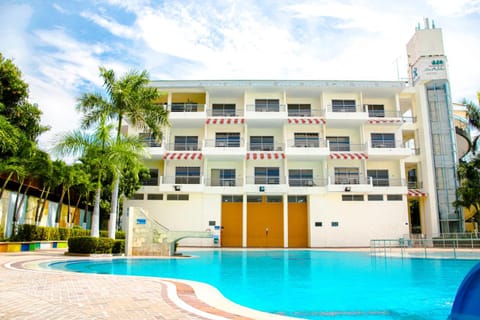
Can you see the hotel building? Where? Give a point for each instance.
(314, 163)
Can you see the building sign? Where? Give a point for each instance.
(429, 68)
(141, 221)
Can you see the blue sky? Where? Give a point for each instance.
(59, 45)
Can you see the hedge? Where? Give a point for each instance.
(30, 232)
(90, 245)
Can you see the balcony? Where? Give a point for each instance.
(224, 182)
(266, 116)
(347, 151)
(155, 149)
(349, 183)
(391, 185)
(383, 117)
(345, 116)
(306, 117)
(272, 184)
(187, 114)
(388, 150)
(221, 149)
(307, 149)
(182, 183)
(307, 182)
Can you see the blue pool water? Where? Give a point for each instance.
(310, 284)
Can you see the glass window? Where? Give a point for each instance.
(223, 177)
(339, 143)
(254, 198)
(183, 143)
(227, 139)
(343, 106)
(318, 224)
(300, 177)
(187, 175)
(334, 224)
(267, 105)
(184, 107)
(177, 197)
(375, 110)
(297, 199)
(155, 196)
(306, 140)
(137, 196)
(375, 197)
(394, 197)
(379, 177)
(277, 199)
(153, 180)
(232, 198)
(383, 140)
(347, 176)
(267, 175)
(261, 143)
(223, 110)
(299, 110)
(352, 197)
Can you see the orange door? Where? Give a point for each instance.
(231, 224)
(297, 225)
(265, 224)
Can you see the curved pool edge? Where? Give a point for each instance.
(195, 298)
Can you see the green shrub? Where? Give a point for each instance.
(90, 245)
(118, 234)
(119, 246)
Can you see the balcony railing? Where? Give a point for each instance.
(266, 108)
(349, 109)
(310, 143)
(186, 107)
(215, 143)
(386, 144)
(344, 147)
(307, 182)
(225, 113)
(351, 179)
(383, 114)
(306, 113)
(184, 146)
(388, 182)
(265, 180)
(150, 182)
(182, 180)
(409, 119)
(415, 184)
(266, 146)
(224, 182)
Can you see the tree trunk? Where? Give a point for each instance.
(95, 228)
(77, 209)
(112, 223)
(24, 196)
(59, 209)
(39, 204)
(5, 183)
(44, 203)
(68, 208)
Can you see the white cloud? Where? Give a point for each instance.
(455, 8)
(110, 24)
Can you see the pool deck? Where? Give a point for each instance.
(28, 291)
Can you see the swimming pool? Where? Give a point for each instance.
(309, 284)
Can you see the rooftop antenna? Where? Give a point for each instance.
(433, 24)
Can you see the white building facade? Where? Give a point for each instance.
(291, 163)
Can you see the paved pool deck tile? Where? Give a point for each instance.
(30, 292)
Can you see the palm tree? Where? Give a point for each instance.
(473, 116)
(126, 97)
(469, 190)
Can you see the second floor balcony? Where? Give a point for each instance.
(225, 148)
(388, 149)
(307, 149)
(190, 114)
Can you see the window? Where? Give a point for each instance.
(267, 105)
(375, 197)
(137, 196)
(379, 177)
(339, 143)
(223, 110)
(227, 139)
(334, 224)
(297, 199)
(394, 197)
(187, 175)
(375, 110)
(155, 196)
(153, 180)
(383, 140)
(300, 177)
(149, 140)
(276, 199)
(318, 224)
(254, 198)
(347, 176)
(267, 175)
(261, 143)
(306, 139)
(223, 177)
(343, 106)
(299, 110)
(184, 107)
(183, 143)
(232, 198)
(352, 197)
(177, 197)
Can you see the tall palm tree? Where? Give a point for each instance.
(127, 97)
(469, 190)
(473, 116)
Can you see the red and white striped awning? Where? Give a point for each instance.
(348, 155)
(416, 193)
(182, 156)
(265, 155)
(306, 120)
(225, 120)
(385, 121)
